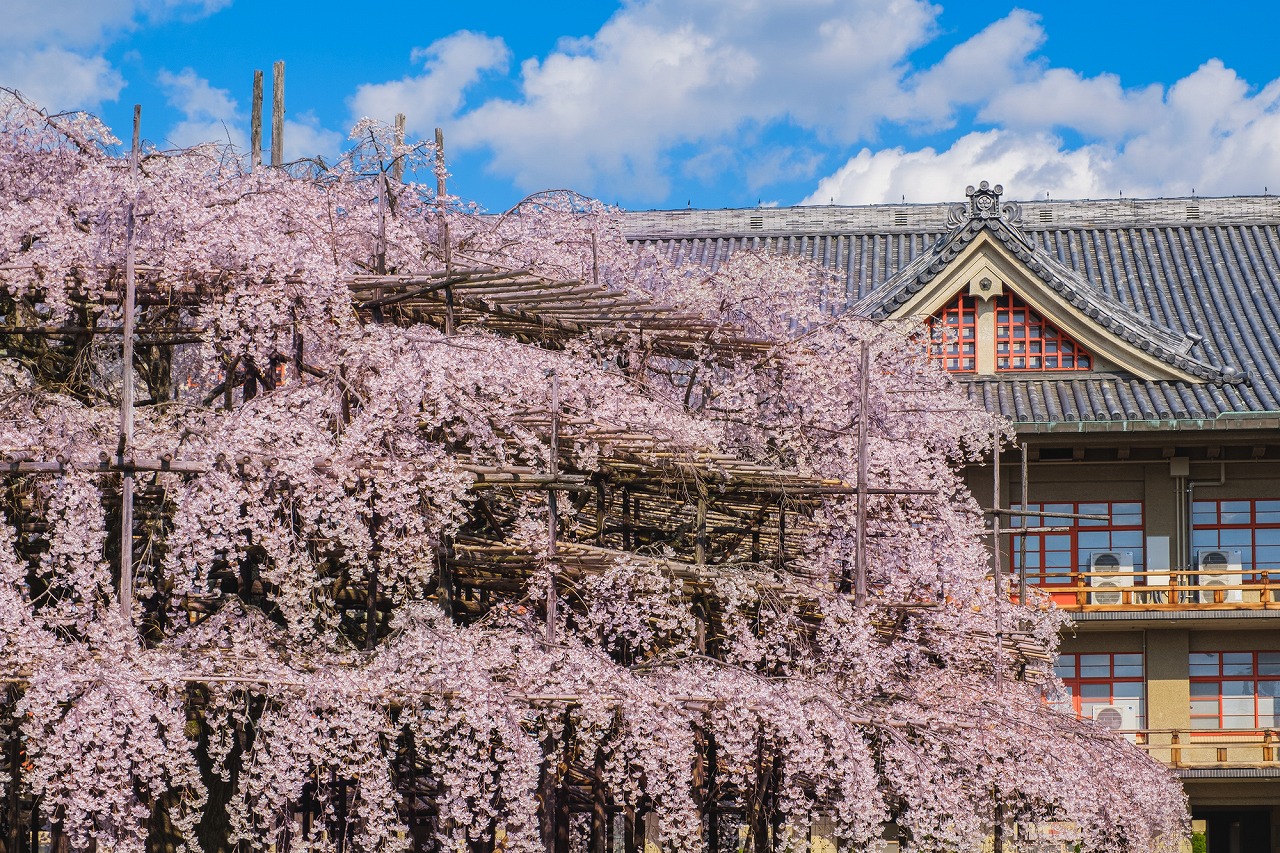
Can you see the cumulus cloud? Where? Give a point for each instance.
(304, 137)
(1208, 133)
(58, 78)
(452, 64)
(1029, 165)
(605, 112)
(997, 58)
(209, 114)
(56, 57)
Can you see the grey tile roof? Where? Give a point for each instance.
(1156, 269)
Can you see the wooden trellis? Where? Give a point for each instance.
(698, 515)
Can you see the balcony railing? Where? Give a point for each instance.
(1153, 591)
(1202, 749)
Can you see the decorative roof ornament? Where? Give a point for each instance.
(984, 203)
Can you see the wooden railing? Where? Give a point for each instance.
(1211, 748)
(1178, 590)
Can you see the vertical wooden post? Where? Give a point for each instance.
(277, 113)
(601, 509)
(442, 210)
(552, 518)
(126, 382)
(997, 839)
(997, 563)
(255, 122)
(380, 249)
(630, 827)
(860, 547)
(700, 531)
(626, 520)
(444, 581)
(1022, 537)
(599, 808)
(712, 807)
(14, 754)
(397, 152)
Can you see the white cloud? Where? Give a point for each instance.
(452, 64)
(603, 113)
(88, 23)
(305, 137)
(56, 78)
(1027, 164)
(209, 114)
(53, 53)
(1208, 133)
(982, 66)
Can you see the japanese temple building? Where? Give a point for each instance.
(1135, 346)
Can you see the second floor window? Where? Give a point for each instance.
(1235, 690)
(1058, 558)
(1251, 527)
(1096, 681)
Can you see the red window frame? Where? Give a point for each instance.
(1109, 678)
(953, 335)
(1025, 341)
(1225, 692)
(1047, 567)
(1248, 525)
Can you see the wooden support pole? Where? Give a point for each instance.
(255, 122)
(860, 546)
(552, 517)
(1022, 537)
(712, 807)
(126, 381)
(444, 581)
(397, 152)
(442, 211)
(997, 840)
(380, 248)
(632, 831)
(599, 841)
(277, 113)
(700, 533)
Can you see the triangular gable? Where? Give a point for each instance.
(985, 255)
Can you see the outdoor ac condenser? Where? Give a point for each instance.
(1219, 567)
(1110, 572)
(1118, 718)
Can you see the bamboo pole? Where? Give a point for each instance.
(255, 122)
(277, 113)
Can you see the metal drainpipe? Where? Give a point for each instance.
(1189, 529)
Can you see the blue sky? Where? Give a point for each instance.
(668, 103)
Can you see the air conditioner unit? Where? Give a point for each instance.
(1110, 572)
(1219, 567)
(1118, 718)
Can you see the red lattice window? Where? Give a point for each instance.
(1026, 341)
(953, 335)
